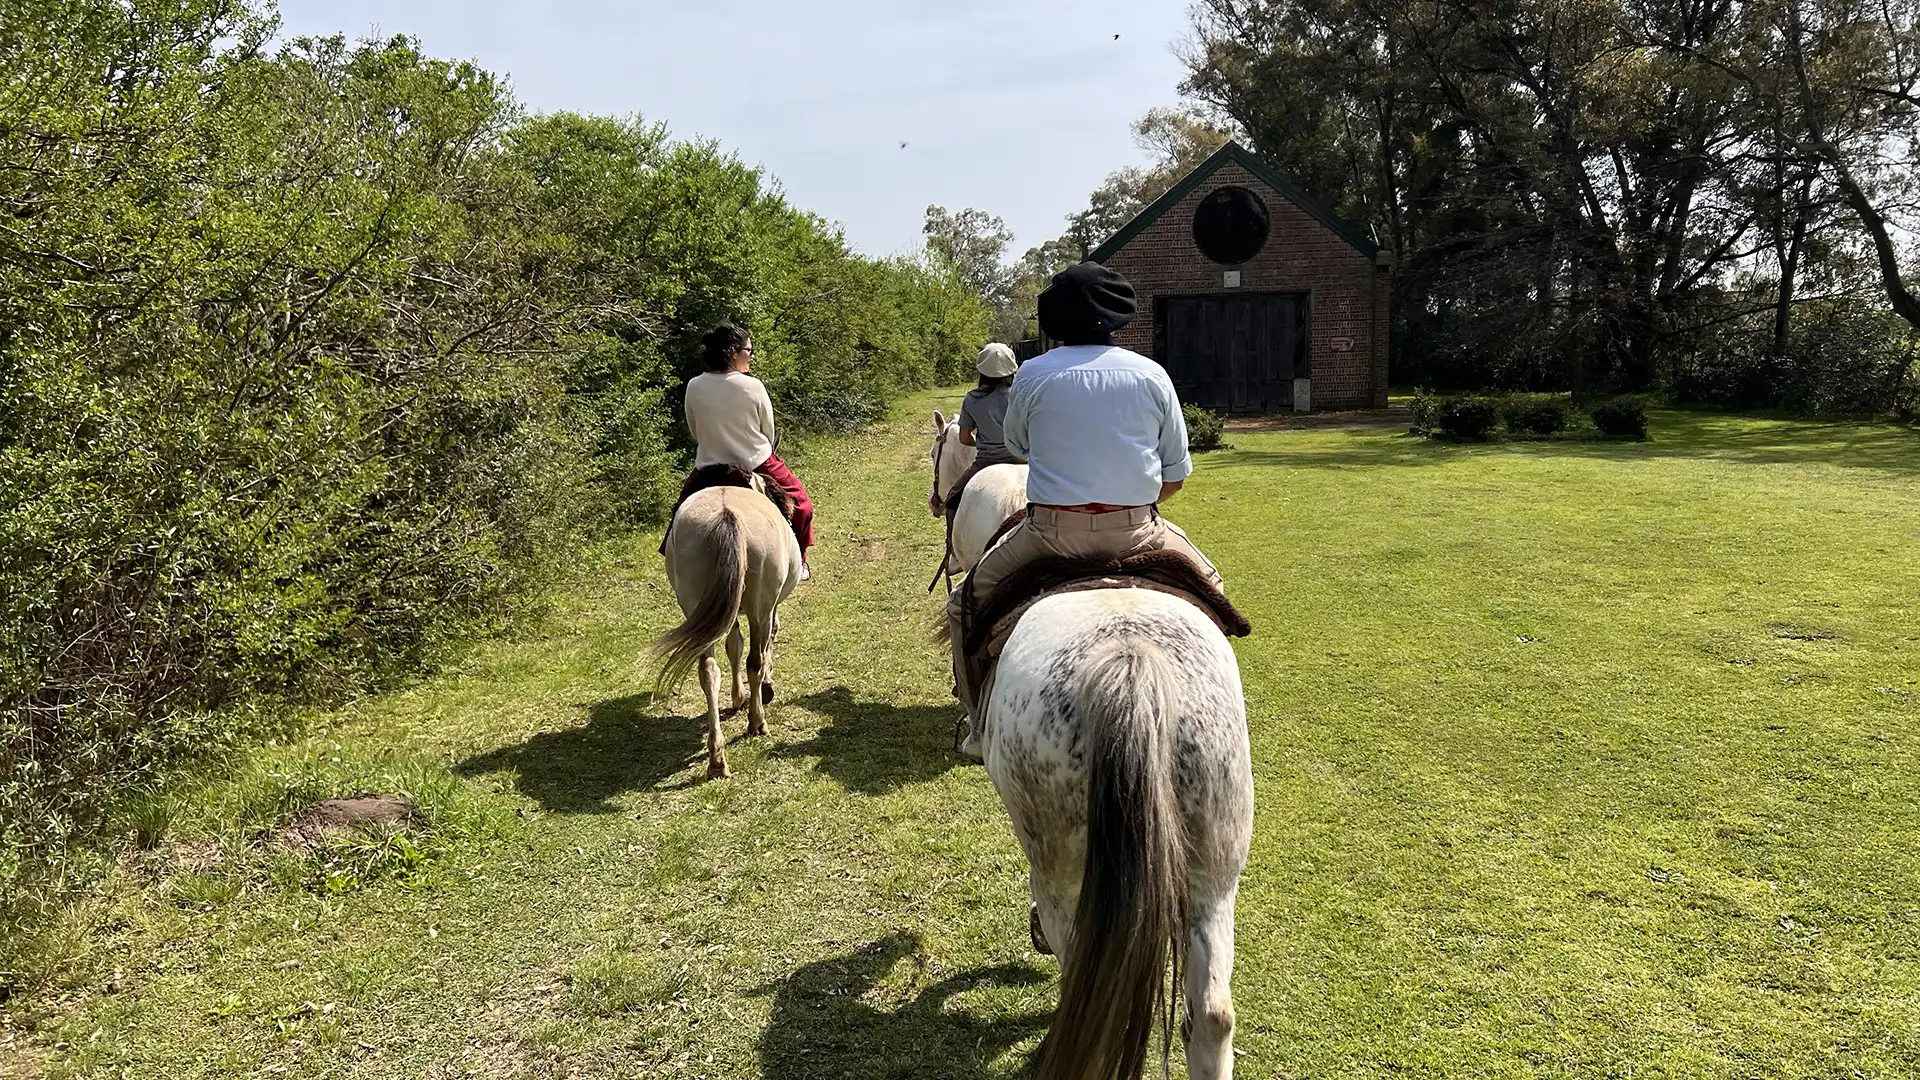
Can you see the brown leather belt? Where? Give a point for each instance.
(1091, 508)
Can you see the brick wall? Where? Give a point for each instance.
(1347, 296)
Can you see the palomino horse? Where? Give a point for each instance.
(1118, 742)
(728, 552)
(993, 495)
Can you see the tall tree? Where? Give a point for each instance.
(1592, 165)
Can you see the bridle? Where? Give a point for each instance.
(939, 448)
(934, 495)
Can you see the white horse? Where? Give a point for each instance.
(729, 552)
(1117, 739)
(993, 495)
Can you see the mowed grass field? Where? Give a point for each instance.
(1572, 760)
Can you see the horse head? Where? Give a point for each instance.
(950, 456)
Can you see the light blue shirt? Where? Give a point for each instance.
(1097, 424)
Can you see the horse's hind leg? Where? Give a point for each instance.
(766, 670)
(739, 689)
(716, 739)
(759, 630)
(1208, 1027)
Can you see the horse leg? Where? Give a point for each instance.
(734, 643)
(1050, 918)
(759, 630)
(766, 675)
(1208, 1026)
(716, 739)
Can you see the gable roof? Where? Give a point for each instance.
(1241, 156)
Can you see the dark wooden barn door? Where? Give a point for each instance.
(1236, 352)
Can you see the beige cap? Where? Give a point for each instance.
(996, 361)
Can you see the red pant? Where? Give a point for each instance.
(776, 470)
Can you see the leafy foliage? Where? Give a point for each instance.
(316, 362)
(1466, 418)
(1839, 359)
(1577, 195)
(1205, 430)
(1621, 418)
(1533, 415)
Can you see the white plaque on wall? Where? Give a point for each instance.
(1233, 279)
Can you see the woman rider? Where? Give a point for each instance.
(731, 418)
(983, 414)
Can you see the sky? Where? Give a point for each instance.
(1017, 107)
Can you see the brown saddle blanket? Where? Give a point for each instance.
(712, 476)
(990, 621)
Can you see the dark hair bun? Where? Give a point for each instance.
(717, 346)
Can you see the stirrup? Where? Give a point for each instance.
(969, 747)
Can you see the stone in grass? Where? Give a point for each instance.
(334, 817)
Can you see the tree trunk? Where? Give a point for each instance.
(1790, 267)
(1905, 304)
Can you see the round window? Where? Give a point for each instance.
(1231, 225)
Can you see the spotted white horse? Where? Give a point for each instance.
(993, 495)
(1117, 740)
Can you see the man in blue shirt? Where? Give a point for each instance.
(1105, 443)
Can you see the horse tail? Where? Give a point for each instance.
(682, 647)
(1132, 911)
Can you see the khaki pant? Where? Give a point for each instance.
(1046, 533)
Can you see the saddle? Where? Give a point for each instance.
(990, 621)
(712, 476)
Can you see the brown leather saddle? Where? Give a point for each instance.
(990, 622)
(712, 476)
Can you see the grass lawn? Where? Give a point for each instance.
(1572, 760)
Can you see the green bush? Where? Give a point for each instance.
(1466, 418)
(1426, 411)
(1205, 430)
(316, 363)
(1533, 416)
(1620, 418)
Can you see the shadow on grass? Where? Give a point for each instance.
(1886, 447)
(821, 1028)
(874, 747)
(619, 749)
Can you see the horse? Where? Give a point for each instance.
(995, 494)
(1118, 745)
(728, 551)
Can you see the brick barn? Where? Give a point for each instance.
(1253, 297)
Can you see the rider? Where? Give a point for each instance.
(731, 417)
(1101, 430)
(983, 415)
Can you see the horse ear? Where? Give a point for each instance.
(939, 421)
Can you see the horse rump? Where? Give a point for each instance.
(716, 612)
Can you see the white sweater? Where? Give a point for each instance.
(731, 417)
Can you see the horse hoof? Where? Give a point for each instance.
(718, 771)
(766, 693)
(1033, 931)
